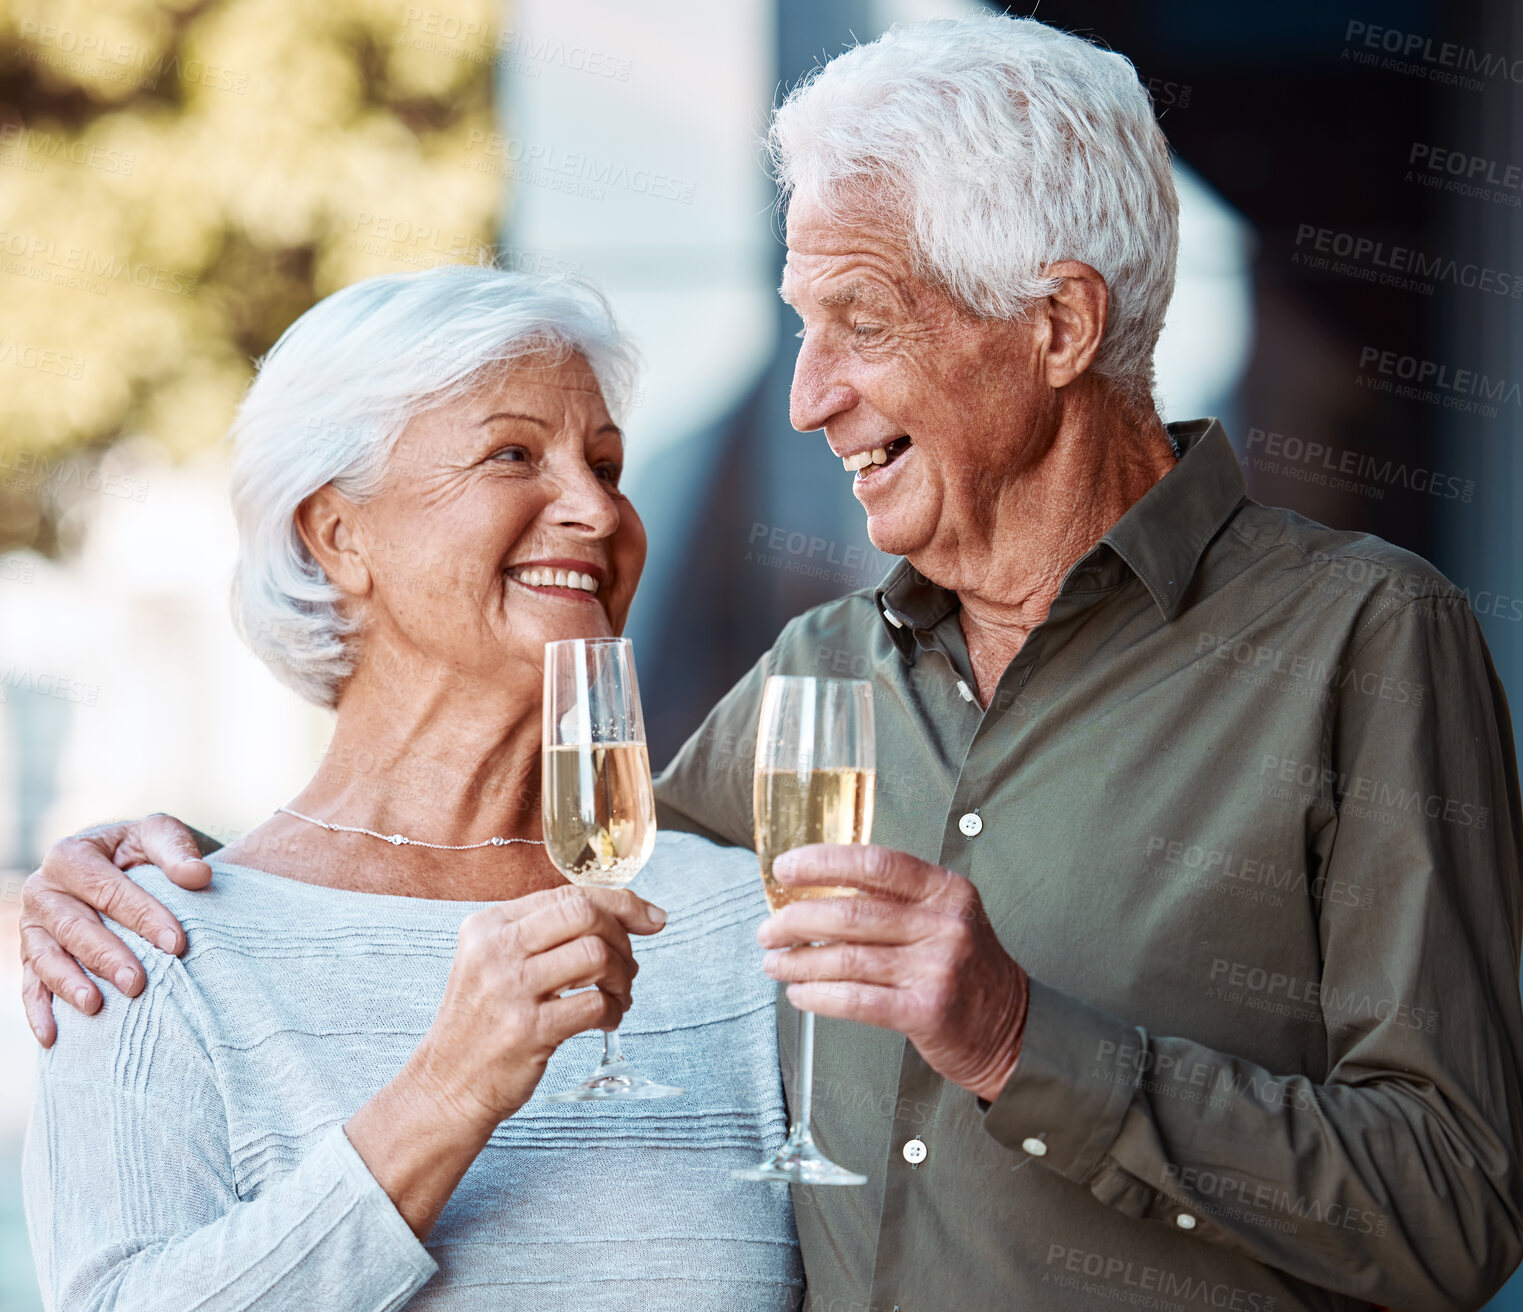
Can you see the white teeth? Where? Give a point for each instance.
(536, 577)
(877, 456)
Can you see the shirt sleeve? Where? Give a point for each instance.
(706, 789)
(131, 1198)
(1395, 1177)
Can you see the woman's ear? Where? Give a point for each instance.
(326, 522)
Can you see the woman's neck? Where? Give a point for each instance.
(441, 761)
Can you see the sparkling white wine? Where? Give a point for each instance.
(600, 812)
(816, 806)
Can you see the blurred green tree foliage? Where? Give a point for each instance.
(179, 179)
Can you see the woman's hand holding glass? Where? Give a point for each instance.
(503, 1014)
(501, 1017)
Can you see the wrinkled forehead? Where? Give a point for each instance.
(845, 259)
(548, 382)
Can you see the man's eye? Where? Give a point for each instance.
(610, 474)
(511, 455)
(865, 329)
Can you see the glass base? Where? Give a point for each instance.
(798, 1161)
(614, 1080)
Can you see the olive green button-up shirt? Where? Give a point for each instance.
(1246, 807)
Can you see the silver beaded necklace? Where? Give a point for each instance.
(398, 840)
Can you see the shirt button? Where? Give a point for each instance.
(971, 825)
(1185, 1221)
(1035, 1147)
(914, 1152)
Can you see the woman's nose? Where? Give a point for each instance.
(584, 501)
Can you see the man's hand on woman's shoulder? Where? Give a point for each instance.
(82, 878)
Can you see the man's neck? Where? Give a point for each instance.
(1101, 462)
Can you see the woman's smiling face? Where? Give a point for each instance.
(499, 527)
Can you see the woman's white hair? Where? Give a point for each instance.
(329, 402)
(1010, 145)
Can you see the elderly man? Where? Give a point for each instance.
(1186, 963)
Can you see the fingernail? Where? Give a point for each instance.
(81, 998)
(168, 941)
(656, 914)
(784, 865)
(124, 980)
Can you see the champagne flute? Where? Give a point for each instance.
(599, 807)
(814, 784)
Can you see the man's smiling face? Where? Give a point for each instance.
(955, 406)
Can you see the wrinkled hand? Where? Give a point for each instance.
(81, 877)
(501, 1017)
(913, 952)
(503, 1014)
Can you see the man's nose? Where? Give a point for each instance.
(818, 394)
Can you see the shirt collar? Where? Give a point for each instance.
(1161, 538)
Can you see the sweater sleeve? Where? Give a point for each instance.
(131, 1198)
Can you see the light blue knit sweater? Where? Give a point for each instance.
(186, 1149)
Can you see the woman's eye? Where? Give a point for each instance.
(610, 474)
(511, 455)
(865, 329)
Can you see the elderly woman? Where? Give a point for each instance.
(327, 1102)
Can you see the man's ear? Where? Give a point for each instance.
(1076, 315)
(326, 521)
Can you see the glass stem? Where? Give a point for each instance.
(613, 1052)
(803, 1099)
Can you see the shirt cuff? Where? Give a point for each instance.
(1071, 1086)
(383, 1226)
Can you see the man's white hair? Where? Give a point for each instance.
(1010, 145)
(329, 402)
